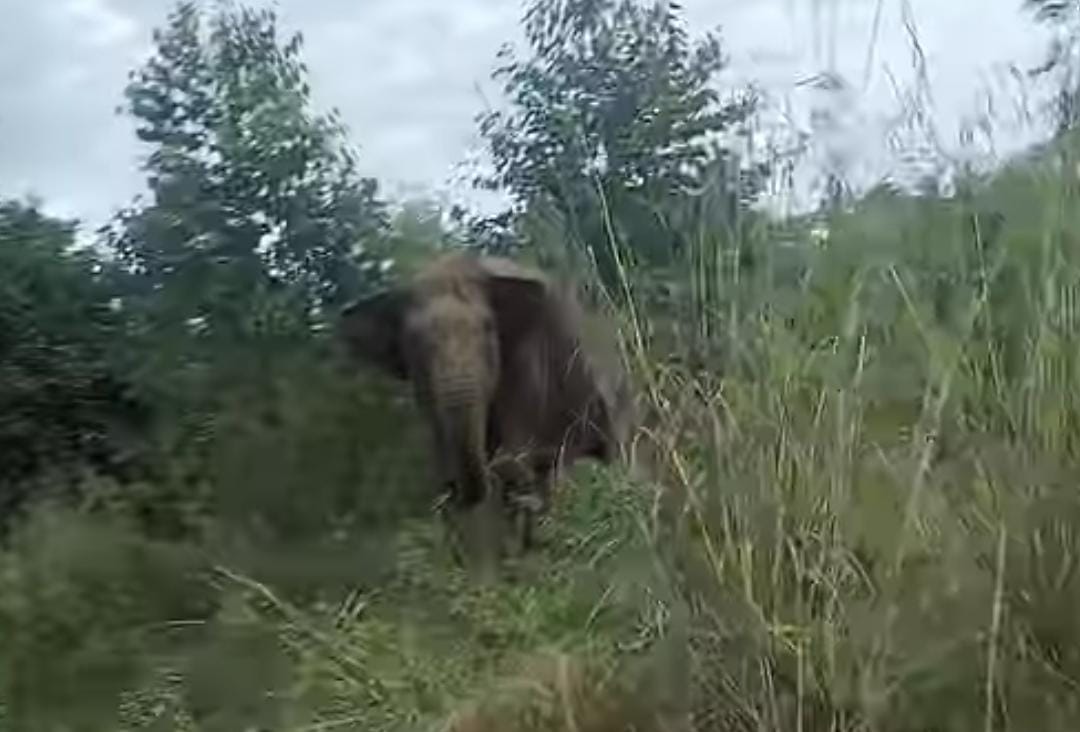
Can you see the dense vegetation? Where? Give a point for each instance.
(854, 504)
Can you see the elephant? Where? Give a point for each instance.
(500, 368)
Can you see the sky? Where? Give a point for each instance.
(409, 76)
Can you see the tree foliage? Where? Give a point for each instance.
(255, 201)
(614, 109)
(1062, 62)
(256, 227)
(63, 404)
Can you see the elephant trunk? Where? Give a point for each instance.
(461, 411)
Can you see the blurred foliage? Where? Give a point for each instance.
(257, 217)
(853, 506)
(1062, 60)
(612, 117)
(86, 608)
(257, 229)
(65, 404)
(876, 514)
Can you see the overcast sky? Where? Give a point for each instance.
(409, 75)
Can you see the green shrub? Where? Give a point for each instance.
(88, 607)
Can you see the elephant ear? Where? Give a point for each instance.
(518, 296)
(371, 330)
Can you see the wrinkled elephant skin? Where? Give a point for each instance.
(501, 371)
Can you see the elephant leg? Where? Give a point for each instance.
(526, 479)
(529, 507)
(445, 483)
(516, 480)
(545, 467)
(535, 502)
(447, 501)
(476, 507)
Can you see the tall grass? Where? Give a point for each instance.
(874, 482)
(854, 506)
(856, 509)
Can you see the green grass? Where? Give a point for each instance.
(856, 509)
(392, 654)
(882, 529)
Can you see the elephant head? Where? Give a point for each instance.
(446, 332)
(502, 368)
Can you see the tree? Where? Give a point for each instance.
(63, 404)
(614, 111)
(256, 209)
(1062, 59)
(256, 225)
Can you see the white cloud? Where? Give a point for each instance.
(97, 24)
(410, 75)
(62, 66)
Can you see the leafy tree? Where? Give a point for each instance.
(614, 111)
(256, 226)
(1062, 58)
(257, 210)
(63, 405)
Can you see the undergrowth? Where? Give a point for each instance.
(853, 507)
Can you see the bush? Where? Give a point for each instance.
(88, 607)
(66, 405)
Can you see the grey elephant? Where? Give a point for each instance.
(501, 369)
